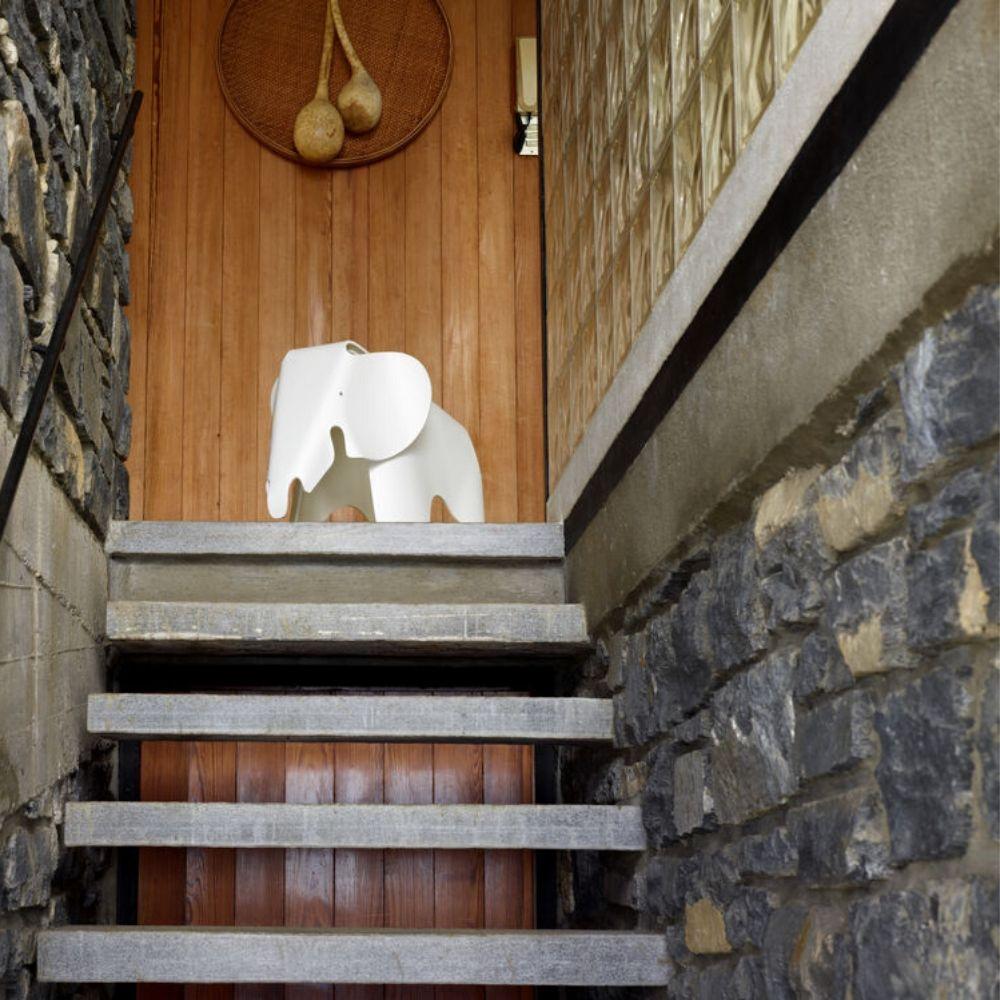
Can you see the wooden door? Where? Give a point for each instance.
(325, 888)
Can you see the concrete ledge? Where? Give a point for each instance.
(220, 955)
(322, 717)
(336, 563)
(358, 629)
(536, 542)
(280, 824)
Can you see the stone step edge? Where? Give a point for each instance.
(260, 626)
(389, 718)
(352, 826)
(345, 955)
(530, 543)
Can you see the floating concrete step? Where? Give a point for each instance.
(391, 718)
(279, 824)
(510, 630)
(244, 955)
(353, 563)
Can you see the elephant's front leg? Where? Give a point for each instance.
(400, 491)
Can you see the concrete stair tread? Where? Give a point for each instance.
(358, 629)
(503, 542)
(377, 718)
(335, 563)
(344, 955)
(280, 824)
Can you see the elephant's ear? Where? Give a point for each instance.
(387, 396)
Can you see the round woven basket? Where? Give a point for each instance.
(268, 60)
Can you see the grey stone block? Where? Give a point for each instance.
(971, 494)
(867, 609)
(350, 717)
(949, 385)
(13, 330)
(220, 955)
(821, 668)
(842, 840)
(753, 766)
(988, 744)
(938, 940)
(925, 770)
(771, 854)
(835, 735)
(737, 629)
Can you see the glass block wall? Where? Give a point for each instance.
(646, 105)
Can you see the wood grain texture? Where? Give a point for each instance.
(260, 874)
(458, 875)
(309, 889)
(210, 890)
(409, 875)
(239, 256)
(162, 778)
(303, 888)
(358, 879)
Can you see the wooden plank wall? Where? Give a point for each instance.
(342, 888)
(239, 256)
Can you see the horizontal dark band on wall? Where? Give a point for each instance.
(893, 51)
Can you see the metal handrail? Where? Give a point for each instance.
(80, 270)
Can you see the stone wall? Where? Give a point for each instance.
(807, 710)
(66, 71)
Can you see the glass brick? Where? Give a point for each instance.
(654, 11)
(604, 335)
(621, 300)
(659, 87)
(586, 259)
(683, 45)
(661, 223)
(639, 253)
(638, 142)
(588, 372)
(603, 238)
(687, 174)
(599, 103)
(635, 35)
(793, 21)
(709, 15)
(717, 113)
(754, 62)
(619, 185)
(614, 49)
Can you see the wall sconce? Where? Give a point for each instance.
(526, 134)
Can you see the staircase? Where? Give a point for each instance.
(401, 601)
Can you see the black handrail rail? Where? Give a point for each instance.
(80, 269)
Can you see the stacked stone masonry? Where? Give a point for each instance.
(66, 73)
(807, 709)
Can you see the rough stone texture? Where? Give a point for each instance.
(814, 698)
(61, 91)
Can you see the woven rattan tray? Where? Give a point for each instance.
(269, 52)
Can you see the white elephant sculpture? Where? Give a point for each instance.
(359, 429)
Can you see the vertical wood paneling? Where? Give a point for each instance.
(460, 226)
(200, 415)
(164, 382)
(309, 900)
(409, 875)
(163, 778)
(433, 251)
(211, 873)
(240, 323)
(358, 879)
(498, 342)
(458, 875)
(276, 298)
(260, 873)
(387, 255)
(528, 315)
(143, 160)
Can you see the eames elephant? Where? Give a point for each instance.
(359, 429)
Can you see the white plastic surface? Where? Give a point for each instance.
(358, 429)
